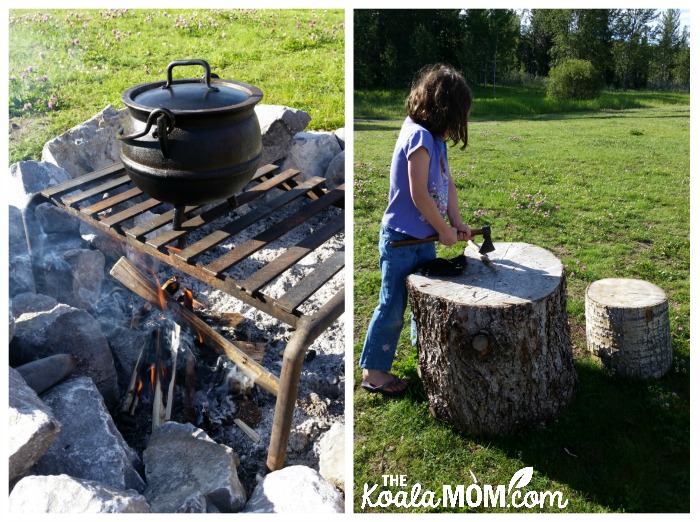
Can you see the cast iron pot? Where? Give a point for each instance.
(188, 141)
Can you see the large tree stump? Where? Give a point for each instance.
(494, 349)
(627, 326)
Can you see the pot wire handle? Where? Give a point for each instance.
(165, 123)
(177, 63)
(156, 113)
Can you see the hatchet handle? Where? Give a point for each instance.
(429, 239)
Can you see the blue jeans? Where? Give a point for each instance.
(396, 263)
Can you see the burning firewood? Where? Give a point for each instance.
(141, 284)
(174, 347)
(230, 319)
(158, 412)
(255, 350)
(131, 395)
(171, 286)
(187, 300)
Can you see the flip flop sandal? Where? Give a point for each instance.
(371, 388)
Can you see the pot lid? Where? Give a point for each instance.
(191, 95)
(194, 94)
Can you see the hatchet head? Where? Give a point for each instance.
(487, 244)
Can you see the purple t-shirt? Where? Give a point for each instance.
(401, 213)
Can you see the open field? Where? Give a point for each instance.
(606, 190)
(67, 65)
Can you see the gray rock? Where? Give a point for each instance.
(89, 445)
(112, 248)
(54, 220)
(331, 452)
(20, 275)
(295, 489)
(311, 153)
(335, 173)
(89, 146)
(29, 177)
(340, 136)
(11, 323)
(186, 470)
(43, 327)
(64, 494)
(31, 430)
(74, 277)
(17, 239)
(278, 124)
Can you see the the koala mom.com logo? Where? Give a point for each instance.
(474, 495)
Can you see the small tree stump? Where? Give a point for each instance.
(627, 326)
(494, 349)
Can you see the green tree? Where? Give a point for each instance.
(535, 42)
(668, 44)
(592, 39)
(392, 44)
(491, 41)
(681, 69)
(632, 30)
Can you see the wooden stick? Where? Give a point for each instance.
(157, 411)
(144, 286)
(174, 347)
(130, 396)
(247, 430)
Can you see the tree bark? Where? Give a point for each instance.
(494, 349)
(627, 326)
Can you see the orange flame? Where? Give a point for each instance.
(173, 249)
(161, 293)
(188, 299)
(152, 372)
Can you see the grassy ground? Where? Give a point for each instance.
(67, 65)
(613, 186)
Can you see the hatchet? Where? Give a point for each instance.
(485, 248)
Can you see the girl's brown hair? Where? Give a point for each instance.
(440, 100)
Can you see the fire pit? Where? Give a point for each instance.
(109, 201)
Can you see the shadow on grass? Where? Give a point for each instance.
(621, 443)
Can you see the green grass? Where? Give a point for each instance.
(82, 61)
(614, 187)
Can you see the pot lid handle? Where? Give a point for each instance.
(176, 63)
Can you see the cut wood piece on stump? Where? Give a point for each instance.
(494, 349)
(627, 326)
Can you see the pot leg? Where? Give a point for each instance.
(178, 218)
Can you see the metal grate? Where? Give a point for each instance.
(108, 200)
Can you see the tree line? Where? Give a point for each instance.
(629, 48)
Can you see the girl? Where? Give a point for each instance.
(421, 195)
